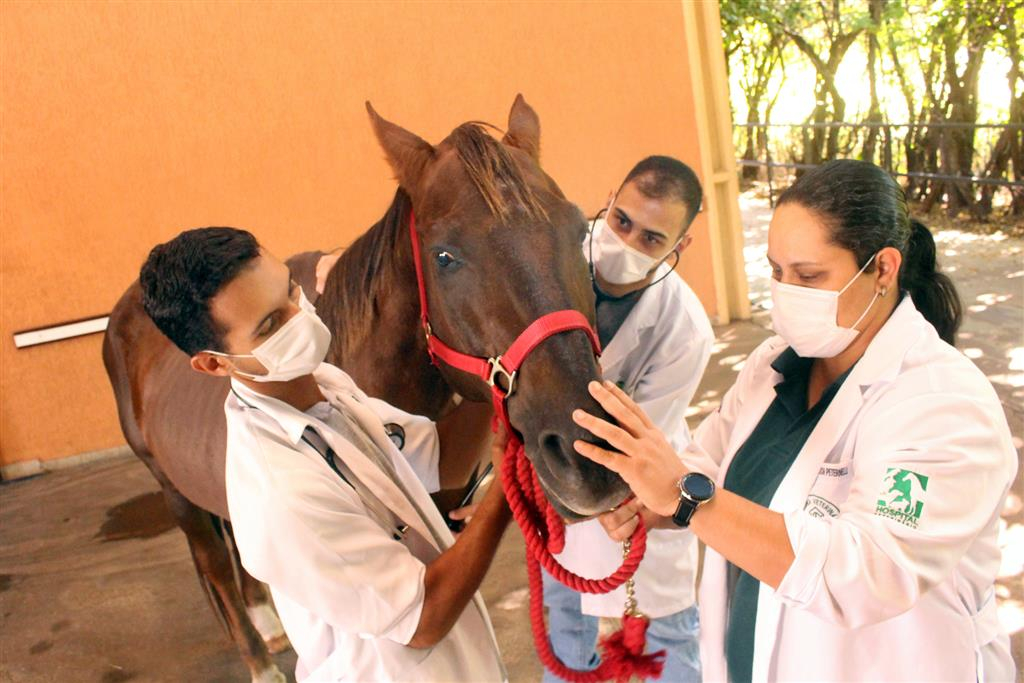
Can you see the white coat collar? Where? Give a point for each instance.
(292, 420)
(881, 362)
(644, 314)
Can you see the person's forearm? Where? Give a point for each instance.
(453, 578)
(464, 434)
(750, 536)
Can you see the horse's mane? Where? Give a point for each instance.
(354, 286)
(494, 172)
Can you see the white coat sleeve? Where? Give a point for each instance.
(667, 386)
(870, 563)
(324, 552)
(422, 448)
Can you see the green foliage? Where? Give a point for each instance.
(926, 58)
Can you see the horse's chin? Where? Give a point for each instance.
(569, 515)
(569, 512)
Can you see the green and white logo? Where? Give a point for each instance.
(902, 496)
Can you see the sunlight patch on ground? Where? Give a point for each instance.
(991, 299)
(1010, 379)
(1011, 616)
(513, 600)
(960, 237)
(1011, 542)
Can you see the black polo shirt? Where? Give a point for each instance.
(755, 473)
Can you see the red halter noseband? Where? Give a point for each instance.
(507, 364)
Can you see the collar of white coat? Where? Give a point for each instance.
(292, 420)
(645, 314)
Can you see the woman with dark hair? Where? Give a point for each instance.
(849, 486)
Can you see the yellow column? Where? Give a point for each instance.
(718, 158)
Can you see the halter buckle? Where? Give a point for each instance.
(498, 369)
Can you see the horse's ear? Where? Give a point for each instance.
(407, 153)
(523, 128)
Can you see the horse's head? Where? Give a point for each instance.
(501, 246)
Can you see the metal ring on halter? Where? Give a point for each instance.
(498, 369)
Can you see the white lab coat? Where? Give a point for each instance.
(349, 594)
(659, 356)
(869, 597)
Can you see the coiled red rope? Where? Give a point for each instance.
(622, 653)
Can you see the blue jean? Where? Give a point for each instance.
(574, 636)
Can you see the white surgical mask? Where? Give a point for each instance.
(808, 318)
(296, 349)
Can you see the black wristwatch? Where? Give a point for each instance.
(695, 489)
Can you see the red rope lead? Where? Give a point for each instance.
(622, 653)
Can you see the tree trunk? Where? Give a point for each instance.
(824, 141)
(875, 110)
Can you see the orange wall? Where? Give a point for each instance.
(123, 124)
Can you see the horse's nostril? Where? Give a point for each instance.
(554, 446)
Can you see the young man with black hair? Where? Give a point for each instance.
(325, 507)
(657, 341)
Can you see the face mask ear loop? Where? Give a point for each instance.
(674, 264)
(859, 273)
(234, 368)
(873, 299)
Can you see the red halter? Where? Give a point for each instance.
(623, 651)
(507, 364)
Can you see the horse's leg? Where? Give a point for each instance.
(257, 600)
(217, 576)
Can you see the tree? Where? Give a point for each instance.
(962, 35)
(876, 8)
(755, 45)
(1009, 148)
(824, 33)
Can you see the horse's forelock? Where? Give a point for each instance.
(494, 172)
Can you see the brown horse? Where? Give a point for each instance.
(501, 247)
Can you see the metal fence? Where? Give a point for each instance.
(889, 160)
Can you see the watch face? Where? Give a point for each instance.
(698, 486)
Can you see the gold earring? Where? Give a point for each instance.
(884, 291)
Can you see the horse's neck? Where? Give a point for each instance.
(371, 305)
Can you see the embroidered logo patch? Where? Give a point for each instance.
(902, 496)
(816, 506)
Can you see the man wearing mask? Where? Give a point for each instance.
(657, 341)
(326, 509)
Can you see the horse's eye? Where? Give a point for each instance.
(445, 259)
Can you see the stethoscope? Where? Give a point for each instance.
(327, 453)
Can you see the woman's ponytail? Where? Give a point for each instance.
(933, 292)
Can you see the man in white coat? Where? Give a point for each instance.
(327, 509)
(657, 340)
